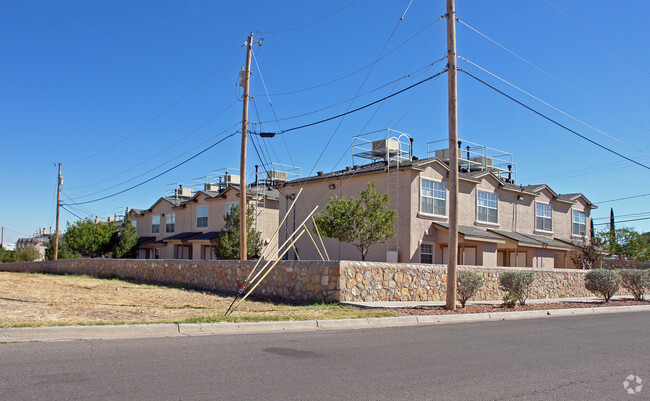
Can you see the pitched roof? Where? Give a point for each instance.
(537, 241)
(210, 235)
(473, 233)
(181, 236)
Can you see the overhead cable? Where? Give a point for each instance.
(601, 40)
(362, 107)
(625, 198)
(555, 122)
(157, 116)
(156, 176)
(623, 221)
(554, 77)
(312, 22)
(555, 108)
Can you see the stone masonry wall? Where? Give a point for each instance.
(313, 280)
(294, 281)
(371, 281)
(625, 264)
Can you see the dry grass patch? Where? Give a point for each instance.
(28, 299)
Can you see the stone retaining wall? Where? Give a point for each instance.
(371, 281)
(625, 264)
(313, 280)
(291, 280)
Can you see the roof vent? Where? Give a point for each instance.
(320, 173)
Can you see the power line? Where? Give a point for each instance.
(362, 107)
(554, 108)
(360, 69)
(555, 122)
(601, 40)
(157, 175)
(625, 198)
(623, 221)
(640, 214)
(312, 22)
(177, 101)
(553, 76)
(71, 212)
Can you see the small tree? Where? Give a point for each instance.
(467, 285)
(27, 254)
(361, 222)
(127, 241)
(517, 283)
(6, 256)
(585, 255)
(603, 282)
(636, 281)
(64, 252)
(88, 238)
(227, 245)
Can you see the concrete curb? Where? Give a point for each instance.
(67, 333)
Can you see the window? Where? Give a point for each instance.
(579, 226)
(229, 206)
(134, 223)
(171, 222)
(543, 218)
(426, 253)
(155, 224)
(202, 216)
(432, 198)
(487, 207)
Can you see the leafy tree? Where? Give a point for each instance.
(361, 222)
(603, 282)
(127, 241)
(27, 254)
(628, 244)
(64, 252)
(468, 284)
(90, 239)
(227, 245)
(6, 256)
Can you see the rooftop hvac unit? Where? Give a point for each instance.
(277, 176)
(210, 186)
(443, 154)
(184, 192)
(385, 146)
(231, 179)
(480, 163)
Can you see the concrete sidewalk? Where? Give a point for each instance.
(109, 332)
(413, 304)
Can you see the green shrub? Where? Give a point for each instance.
(518, 282)
(467, 285)
(510, 300)
(636, 281)
(603, 282)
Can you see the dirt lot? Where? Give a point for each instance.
(50, 300)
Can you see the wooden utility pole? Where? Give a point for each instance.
(453, 156)
(58, 205)
(242, 169)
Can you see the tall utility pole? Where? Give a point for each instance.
(242, 169)
(58, 205)
(453, 156)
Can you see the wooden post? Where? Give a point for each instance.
(453, 156)
(242, 169)
(58, 205)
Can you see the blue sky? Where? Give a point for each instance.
(119, 91)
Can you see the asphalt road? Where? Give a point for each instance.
(556, 358)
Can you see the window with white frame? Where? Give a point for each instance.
(426, 253)
(171, 222)
(579, 223)
(543, 217)
(155, 224)
(432, 198)
(487, 207)
(202, 216)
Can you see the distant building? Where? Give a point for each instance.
(39, 240)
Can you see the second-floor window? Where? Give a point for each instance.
(155, 224)
(543, 217)
(202, 216)
(579, 223)
(487, 207)
(171, 222)
(432, 197)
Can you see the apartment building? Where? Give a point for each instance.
(40, 240)
(500, 223)
(186, 224)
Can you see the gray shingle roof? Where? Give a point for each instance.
(531, 239)
(471, 231)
